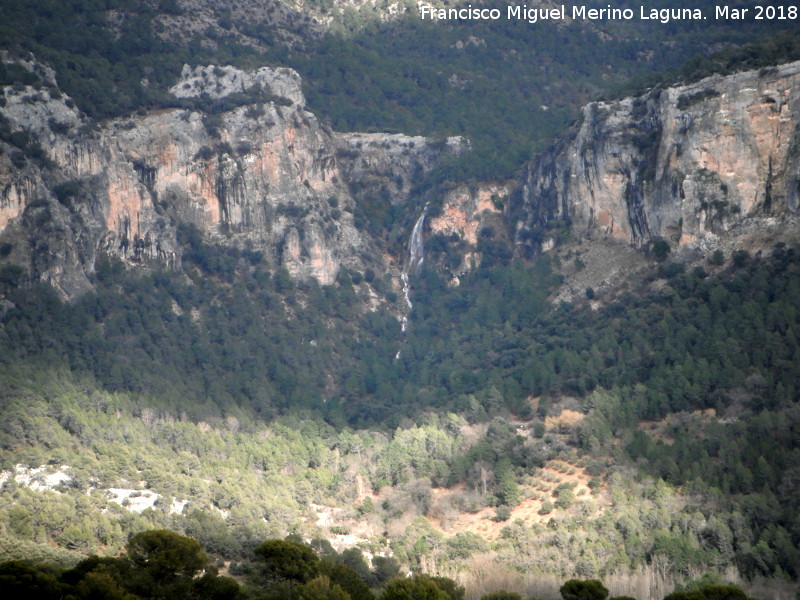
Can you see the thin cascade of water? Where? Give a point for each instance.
(407, 296)
(412, 264)
(416, 251)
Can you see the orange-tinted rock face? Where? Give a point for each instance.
(464, 209)
(468, 209)
(14, 195)
(124, 208)
(262, 180)
(455, 219)
(311, 256)
(265, 175)
(683, 164)
(262, 176)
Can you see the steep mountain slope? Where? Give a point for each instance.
(153, 392)
(508, 85)
(233, 274)
(686, 164)
(256, 170)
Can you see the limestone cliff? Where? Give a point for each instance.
(248, 165)
(686, 164)
(259, 172)
(387, 166)
(467, 214)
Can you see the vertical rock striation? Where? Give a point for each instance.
(252, 168)
(684, 164)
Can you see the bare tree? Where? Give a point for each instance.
(149, 417)
(233, 423)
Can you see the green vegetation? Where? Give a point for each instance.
(162, 564)
(260, 401)
(238, 336)
(764, 54)
(170, 394)
(508, 90)
(591, 589)
(158, 564)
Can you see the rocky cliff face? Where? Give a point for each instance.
(686, 164)
(259, 172)
(469, 213)
(255, 169)
(387, 166)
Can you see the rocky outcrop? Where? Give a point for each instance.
(264, 174)
(685, 164)
(465, 209)
(218, 82)
(388, 166)
(255, 169)
(469, 213)
(260, 24)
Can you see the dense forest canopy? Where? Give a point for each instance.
(652, 429)
(162, 564)
(222, 350)
(507, 85)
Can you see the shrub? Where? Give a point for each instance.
(501, 595)
(255, 112)
(18, 159)
(589, 589)
(64, 192)
(502, 513)
(660, 249)
(740, 258)
(717, 258)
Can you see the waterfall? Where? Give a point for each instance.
(414, 258)
(416, 252)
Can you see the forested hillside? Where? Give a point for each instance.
(160, 563)
(510, 86)
(682, 380)
(462, 421)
